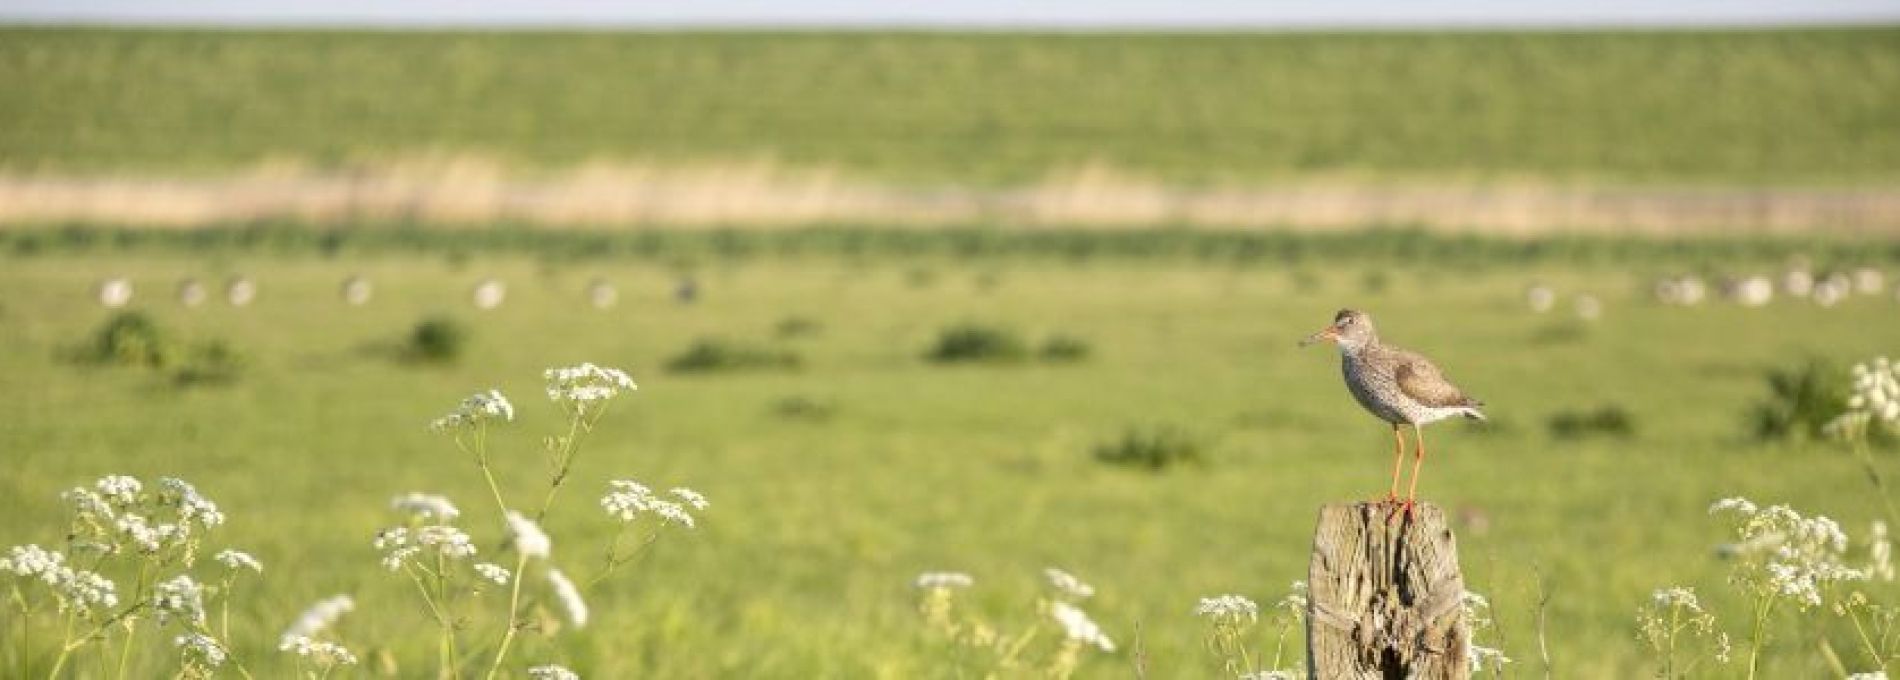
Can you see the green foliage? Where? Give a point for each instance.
(1155, 449)
(130, 338)
(1064, 348)
(971, 342)
(1801, 399)
(710, 354)
(438, 340)
(1680, 106)
(1607, 420)
(797, 327)
(212, 362)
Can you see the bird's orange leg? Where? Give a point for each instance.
(1398, 462)
(1411, 494)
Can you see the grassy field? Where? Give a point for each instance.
(1770, 107)
(802, 567)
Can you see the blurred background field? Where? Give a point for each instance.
(785, 351)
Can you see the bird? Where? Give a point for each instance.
(1398, 386)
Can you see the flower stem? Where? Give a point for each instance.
(514, 608)
(1761, 624)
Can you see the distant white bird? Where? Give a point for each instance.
(240, 292)
(357, 291)
(191, 293)
(1589, 308)
(1541, 298)
(602, 294)
(115, 292)
(489, 293)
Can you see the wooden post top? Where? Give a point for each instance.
(1386, 595)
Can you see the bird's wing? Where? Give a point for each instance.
(1424, 383)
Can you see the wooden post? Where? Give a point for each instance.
(1385, 597)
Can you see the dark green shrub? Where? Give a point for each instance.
(1608, 420)
(800, 407)
(797, 326)
(1154, 449)
(1801, 399)
(974, 343)
(1064, 348)
(130, 339)
(716, 354)
(437, 339)
(210, 363)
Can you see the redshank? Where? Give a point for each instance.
(1400, 387)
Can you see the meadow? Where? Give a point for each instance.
(1746, 108)
(834, 483)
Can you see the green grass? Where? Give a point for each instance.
(802, 566)
(1675, 107)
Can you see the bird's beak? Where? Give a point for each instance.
(1327, 334)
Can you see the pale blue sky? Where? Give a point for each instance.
(1024, 14)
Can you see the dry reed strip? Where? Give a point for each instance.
(473, 192)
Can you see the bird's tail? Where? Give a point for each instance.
(1473, 414)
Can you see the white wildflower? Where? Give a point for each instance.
(425, 506)
(528, 536)
(1870, 675)
(120, 490)
(320, 617)
(200, 650)
(32, 561)
(494, 572)
(236, 559)
(85, 591)
(179, 597)
(931, 580)
(1294, 604)
(1677, 597)
(1230, 608)
(1067, 584)
(401, 544)
(569, 596)
(583, 387)
(191, 506)
(145, 535)
(693, 498)
(628, 500)
(477, 409)
(1271, 675)
(325, 654)
(552, 672)
(1805, 558)
(89, 507)
(1478, 655)
(1077, 626)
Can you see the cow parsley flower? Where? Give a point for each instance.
(238, 559)
(1077, 626)
(692, 498)
(494, 572)
(32, 561)
(1233, 609)
(629, 500)
(120, 490)
(1067, 584)
(179, 597)
(1804, 556)
(585, 387)
(200, 650)
(425, 506)
(401, 544)
(191, 506)
(324, 654)
(319, 617)
(527, 536)
(932, 580)
(552, 672)
(569, 597)
(478, 408)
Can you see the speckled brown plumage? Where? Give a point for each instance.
(1397, 386)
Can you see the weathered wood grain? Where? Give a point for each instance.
(1386, 596)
